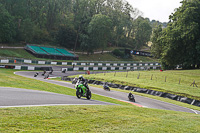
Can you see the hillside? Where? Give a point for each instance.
(21, 53)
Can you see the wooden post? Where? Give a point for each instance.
(127, 74)
(114, 74)
(104, 73)
(151, 76)
(165, 78)
(138, 76)
(179, 80)
(194, 84)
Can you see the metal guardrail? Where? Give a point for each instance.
(74, 63)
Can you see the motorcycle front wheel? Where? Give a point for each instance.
(78, 93)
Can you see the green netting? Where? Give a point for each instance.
(37, 49)
(49, 50)
(65, 52)
(52, 51)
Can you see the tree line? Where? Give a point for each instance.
(179, 43)
(74, 24)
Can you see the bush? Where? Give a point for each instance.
(118, 53)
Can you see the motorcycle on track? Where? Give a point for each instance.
(131, 97)
(82, 91)
(74, 81)
(106, 87)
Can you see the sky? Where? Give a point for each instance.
(156, 9)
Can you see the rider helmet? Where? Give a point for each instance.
(80, 77)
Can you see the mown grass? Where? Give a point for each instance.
(97, 119)
(116, 118)
(18, 53)
(110, 57)
(143, 79)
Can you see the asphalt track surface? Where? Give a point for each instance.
(15, 97)
(140, 100)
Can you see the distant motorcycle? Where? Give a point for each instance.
(36, 74)
(106, 87)
(131, 97)
(74, 80)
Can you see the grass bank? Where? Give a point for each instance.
(21, 53)
(96, 119)
(18, 53)
(124, 118)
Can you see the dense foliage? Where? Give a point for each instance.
(85, 24)
(179, 43)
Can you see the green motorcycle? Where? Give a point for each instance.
(82, 91)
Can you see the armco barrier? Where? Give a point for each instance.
(108, 68)
(32, 68)
(146, 91)
(103, 64)
(21, 67)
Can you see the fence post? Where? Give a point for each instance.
(127, 74)
(165, 78)
(194, 84)
(114, 74)
(138, 76)
(179, 80)
(151, 76)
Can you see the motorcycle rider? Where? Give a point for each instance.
(81, 78)
(131, 96)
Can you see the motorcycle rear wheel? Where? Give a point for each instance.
(89, 95)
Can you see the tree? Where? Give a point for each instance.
(7, 26)
(66, 37)
(26, 31)
(156, 40)
(99, 31)
(143, 31)
(39, 21)
(180, 40)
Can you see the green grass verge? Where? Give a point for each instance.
(97, 119)
(125, 118)
(157, 83)
(18, 53)
(110, 57)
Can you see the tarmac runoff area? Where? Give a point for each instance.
(15, 97)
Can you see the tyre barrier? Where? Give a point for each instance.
(143, 90)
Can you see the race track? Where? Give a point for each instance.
(15, 97)
(140, 100)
